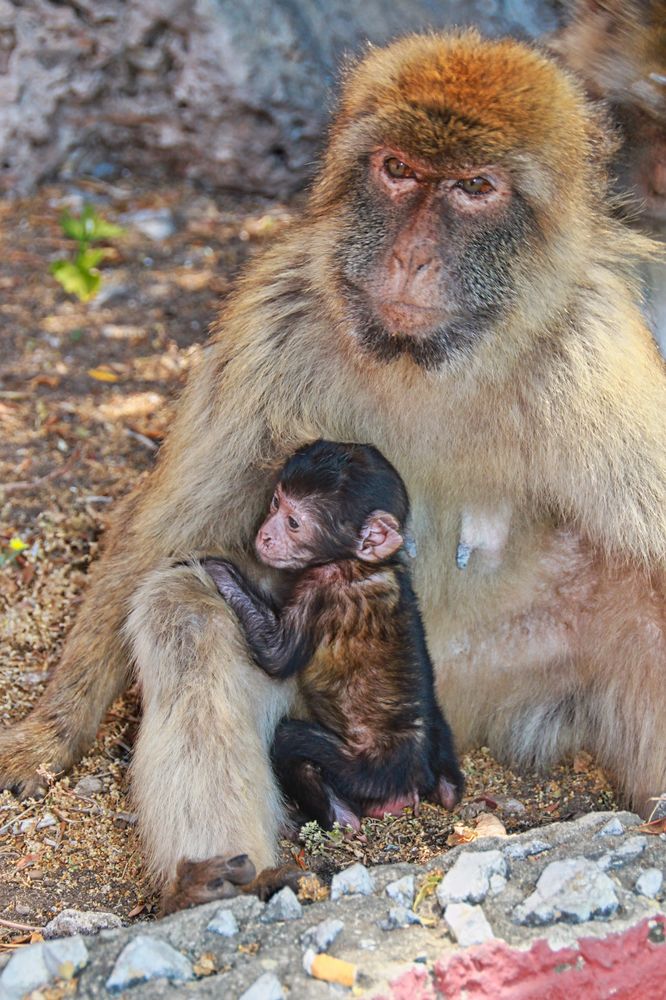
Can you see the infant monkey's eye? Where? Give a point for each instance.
(293, 523)
(275, 503)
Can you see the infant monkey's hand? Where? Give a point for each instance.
(227, 578)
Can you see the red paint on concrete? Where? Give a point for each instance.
(629, 965)
(413, 985)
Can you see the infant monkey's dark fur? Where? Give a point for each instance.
(376, 740)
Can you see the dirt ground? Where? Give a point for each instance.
(85, 395)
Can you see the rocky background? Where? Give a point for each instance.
(570, 910)
(233, 94)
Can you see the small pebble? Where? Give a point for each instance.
(613, 828)
(467, 924)
(284, 905)
(47, 820)
(223, 923)
(512, 807)
(89, 785)
(85, 922)
(649, 882)
(146, 958)
(322, 935)
(402, 891)
(126, 819)
(266, 987)
(157, 224)
(354, 880)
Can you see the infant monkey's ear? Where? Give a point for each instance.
(380, 537)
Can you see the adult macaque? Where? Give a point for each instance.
(618, 47)
(457, 294)
(374, 739)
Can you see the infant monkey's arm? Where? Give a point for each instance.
(276, 642)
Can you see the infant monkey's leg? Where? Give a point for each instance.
(304, 756)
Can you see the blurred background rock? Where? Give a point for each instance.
(235, 94)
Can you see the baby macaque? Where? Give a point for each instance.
(376, 740)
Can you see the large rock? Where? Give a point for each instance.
(234, 93)
(574, 890)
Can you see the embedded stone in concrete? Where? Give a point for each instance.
(85, 922)
(399, 916)
(468, 881)
(284, 905)
(516, 852)
(65, 957)
(244, 908)
(649, 882)
(629, 851)
(496, 884)
(146, 958)
(223, 923)
(24, 972)
(402, 891)
(322, 935)
(468, 924)
(266, 987)
(571, 891)
(353, 881)
(613, 828)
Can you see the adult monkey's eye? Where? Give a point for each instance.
(396, 168)
(293, 523)
(475, 185)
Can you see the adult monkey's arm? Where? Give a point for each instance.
(600, 450)
(205, 495)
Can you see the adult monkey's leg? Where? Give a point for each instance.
(201, 775)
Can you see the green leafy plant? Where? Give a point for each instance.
(80, 275)
(318, 841)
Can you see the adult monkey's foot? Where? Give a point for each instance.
(30, 752)
(220, 877)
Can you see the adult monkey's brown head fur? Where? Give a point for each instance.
(464, 176)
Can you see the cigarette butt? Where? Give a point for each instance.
(329, 969)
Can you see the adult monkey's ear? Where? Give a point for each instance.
(380, 537)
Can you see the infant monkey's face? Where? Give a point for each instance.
(286, 539)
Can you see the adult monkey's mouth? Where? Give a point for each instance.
(409, 319)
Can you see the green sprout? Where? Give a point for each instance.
(80, 276)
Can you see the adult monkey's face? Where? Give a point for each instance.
(457, 168)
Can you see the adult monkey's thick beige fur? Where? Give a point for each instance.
(555, 412)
